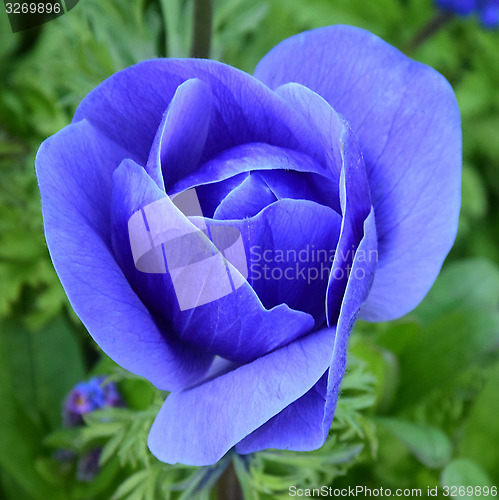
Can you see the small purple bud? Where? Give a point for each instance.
(88, 465)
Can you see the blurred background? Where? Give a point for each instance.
(420, 401)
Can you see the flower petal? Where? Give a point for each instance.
(299, 427)
(246, 200)
(198, 426)
(247, 158)
(356, 207)
(407, 122)
(302, 186)
(210, 195)
(290, 249)
(354, 196)
(236, 325)
(74, 169)
(128, 107)
(305, 423)
(181, 136)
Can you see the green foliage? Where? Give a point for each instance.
(352, 437)
(428, 444)
(481, 430)
(445, 380)
(462, 472)
(33, 384)
(122, 435)
(24, 258)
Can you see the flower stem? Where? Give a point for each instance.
(228, 487)
(201, 30)
(433, 27)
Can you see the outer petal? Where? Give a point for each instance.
(407, 121)
(356, 207)
(359, 285)
(235, 326)
(304, 424)
(299, 427)
(355, 201)
(198, 426)
(128, 107)
(74, 170)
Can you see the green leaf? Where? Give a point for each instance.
(11, 489)
(138, 393)
(458, 329)
(44, 365)
(64, 438)
(481, 432)
(471, 283)
(20, 440)
(474, 94)
(135, 482)
(244, 476)
(449, 345)
(111, 447)
(465, 473)
(474, 202)
(428, 444)
(382, 364)
(397, 336)
(102, 486)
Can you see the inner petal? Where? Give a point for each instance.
(290, 247)
(246, 158)
(181, 135)
(233, 323)
(286, 173)
(246, 200)
(302, 186)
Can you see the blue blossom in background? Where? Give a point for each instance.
(487, 10)
(86, 397)
(489, 13)
(339, 144)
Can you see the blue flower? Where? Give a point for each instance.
(489, 13)
(219, 233)
(86, 397)
(487, 10)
